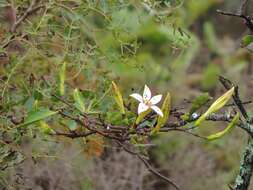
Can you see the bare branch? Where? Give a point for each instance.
(243, 6)
(246, 18)
(182, 130)
(74, 135)
(30, 10)
(149, 167)
(228, 85)
(90, 128)
(230, 14)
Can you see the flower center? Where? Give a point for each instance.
(148, 103)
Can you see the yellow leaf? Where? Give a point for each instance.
(35, 104)
(118, 97)
(62, 79)
(166, 113)
(226, 130)
(218, 104)
(79, 101)
(45, 128)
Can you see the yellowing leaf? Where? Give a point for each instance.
(218, 104)
(141, 116)
(118, 97)
(166, 112)
(35, 104)
(226, 130)
(79, 101)
(94, 146)
(45, 128)
(62, 79)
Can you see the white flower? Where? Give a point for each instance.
(147, 102)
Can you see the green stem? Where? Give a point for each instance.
(242, 181)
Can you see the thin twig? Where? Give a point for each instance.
(74, 135)
(31, 9)
(228, 85)
(182, 130)
(243, 6)
(230, 14)
(67, 103)
(93, 129)
(148, 166)
(247, 19)
(243, 103)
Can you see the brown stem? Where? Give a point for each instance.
(149, 167)
(30, 10)
(228, 85)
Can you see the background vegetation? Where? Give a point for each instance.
(170, 45)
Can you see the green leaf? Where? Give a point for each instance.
(218, 104)
(62, 77)
(210, 76)
(199, 101)
(118, 97)
(210, 37)
(37, 115)
(142, 116)
(79, 100)
(116, 118)
(247, 40)
(35, 105)
(37, 95)
(72, 125)
(166, 113)
(226, 130)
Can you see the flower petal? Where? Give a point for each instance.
(137, 97)
(142, 107)
(157, 110)
(155, 99)
(146, 93)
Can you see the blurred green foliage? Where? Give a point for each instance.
(171, 45)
